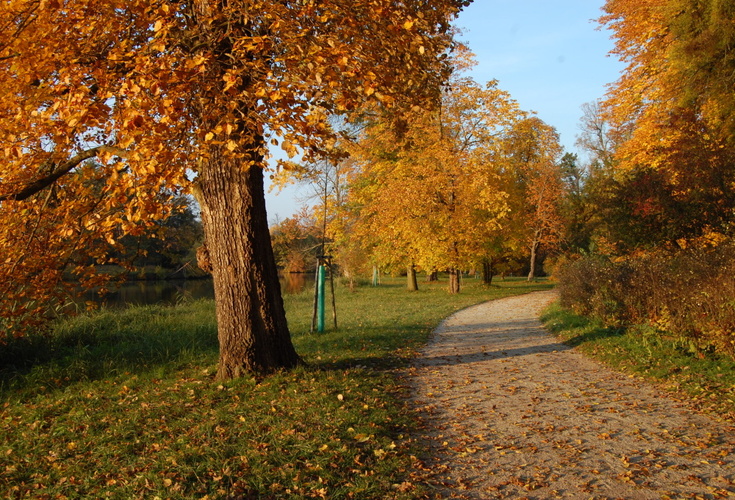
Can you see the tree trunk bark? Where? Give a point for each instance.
(411, 282)
(534, 251)
(454, 280)
(251, 320)
(432, 276)
(487, 271)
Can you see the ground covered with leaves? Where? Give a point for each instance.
(123, 404)
(510, 411)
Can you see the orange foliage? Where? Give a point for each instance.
(668, 108)
(161, 93)
(533, 155)
(430, 194)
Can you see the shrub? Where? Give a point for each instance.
(688, 294)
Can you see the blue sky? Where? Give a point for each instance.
(550, 56)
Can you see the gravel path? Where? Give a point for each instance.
(510, 412)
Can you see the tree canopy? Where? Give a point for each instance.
(670, 120)
(177, 95)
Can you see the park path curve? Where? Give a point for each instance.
(508, 411)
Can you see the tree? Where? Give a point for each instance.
(429, 193)
(296, 242)
(597, 139)
(188, 95)
(533, 153)
(575, 207)
(670, 112)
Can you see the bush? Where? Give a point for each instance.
(688, 294)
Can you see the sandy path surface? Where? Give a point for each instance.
(509, 412)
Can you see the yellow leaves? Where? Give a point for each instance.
(90, 81)
(363, 438)
(441, 180)
(289, 148)
(148, 167)
(223, 128)
(49, 4)
(197, 62)
(126, 142)
(13, 152)
(231, 79)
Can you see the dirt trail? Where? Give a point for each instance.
(510, 412)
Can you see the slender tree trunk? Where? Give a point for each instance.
(487, 271)
(534, 251)
(411, 282)
(251, 320)
(432, 276)
(454, 280)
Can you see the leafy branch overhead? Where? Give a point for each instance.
(193, 90)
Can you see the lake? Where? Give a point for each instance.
(172, 292)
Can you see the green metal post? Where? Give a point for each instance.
(320, 304)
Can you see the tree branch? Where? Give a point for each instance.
(60, 171)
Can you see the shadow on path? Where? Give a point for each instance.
(507, 411)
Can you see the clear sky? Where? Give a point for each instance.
(549, 55)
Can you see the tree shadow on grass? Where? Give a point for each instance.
(559, 320)
(102, 346)
(371, 347)
(594, 335)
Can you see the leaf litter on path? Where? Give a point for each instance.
(508, 411)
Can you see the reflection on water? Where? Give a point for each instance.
(293, 283)
(170, 292)
(167, 292)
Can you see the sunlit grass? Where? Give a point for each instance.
(124, 404)
(707, 381)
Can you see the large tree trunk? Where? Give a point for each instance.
(411, 282)
(251, 320)
(454, 280)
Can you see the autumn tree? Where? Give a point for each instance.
(296, 242)
(533, 155)
(670, 111)
(373, 203)
(188, 95)
(429, 193)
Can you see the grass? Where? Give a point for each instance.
(123, 404)
(705, 381)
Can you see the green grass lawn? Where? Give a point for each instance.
(123, 404)
(705, 381)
